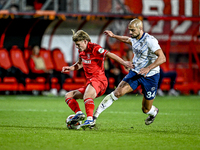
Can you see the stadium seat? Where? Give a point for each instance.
(59, 62)
(80, 80)
(18, 60)
(116, 52)
(48, 60)
(5, 61)
(58, 59)
(111, 81)
(27, 54)
(46, 55)
(7, 86)
(8, 83)
(72, 86)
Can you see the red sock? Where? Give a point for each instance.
(89, 106)
(73, 104)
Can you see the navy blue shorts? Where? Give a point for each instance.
(149, 84)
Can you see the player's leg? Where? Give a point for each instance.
(127, 85)
(122, 89)
(149, 109)
(70, 99)
(149, 87)
(89, 95)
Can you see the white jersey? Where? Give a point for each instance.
(143, 50)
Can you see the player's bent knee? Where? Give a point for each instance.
(68, 95)
(118, 94)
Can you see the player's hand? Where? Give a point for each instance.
(129, 65)
(108, 33)
(66, 69)
(144, 71)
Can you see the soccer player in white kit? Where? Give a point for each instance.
(147, 57)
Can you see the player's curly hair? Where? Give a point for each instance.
(80, 35)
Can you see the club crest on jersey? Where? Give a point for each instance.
(101, 50)
(88, 56)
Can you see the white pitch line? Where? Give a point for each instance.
(16, 98)
(31, 110)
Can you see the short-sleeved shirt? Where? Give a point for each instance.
(93, 60)
(93, 64)
(143, 50)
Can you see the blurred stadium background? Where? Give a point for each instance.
(48, 23)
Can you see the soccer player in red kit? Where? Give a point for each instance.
(91, 59)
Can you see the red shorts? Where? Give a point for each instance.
(100, 85)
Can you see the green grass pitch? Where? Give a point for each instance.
(38, 123)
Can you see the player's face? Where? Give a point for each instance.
(134, 31)
(81, 45)
(36, 50)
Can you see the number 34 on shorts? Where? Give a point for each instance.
(151, 94)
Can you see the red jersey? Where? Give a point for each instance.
(93, 60)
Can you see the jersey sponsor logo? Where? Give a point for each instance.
(86, 61)
(101, 50)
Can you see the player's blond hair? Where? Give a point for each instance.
(80, 35)
(136, 23)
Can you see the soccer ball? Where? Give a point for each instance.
(73, 126)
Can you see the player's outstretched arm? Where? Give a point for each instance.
(126, 64)
(78, 65)
(124, 39)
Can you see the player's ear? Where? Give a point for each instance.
(85, 41)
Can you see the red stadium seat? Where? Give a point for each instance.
(118, 53)
(5, 61)
(18, 60)
(80, 80)
(8, 83)
(58, 59)
(111, 83)
(46, 55)
(27, 54)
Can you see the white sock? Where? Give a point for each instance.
(152, 111)
(89, 118)
(113, 96)
(79, 112)
(105, 103)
